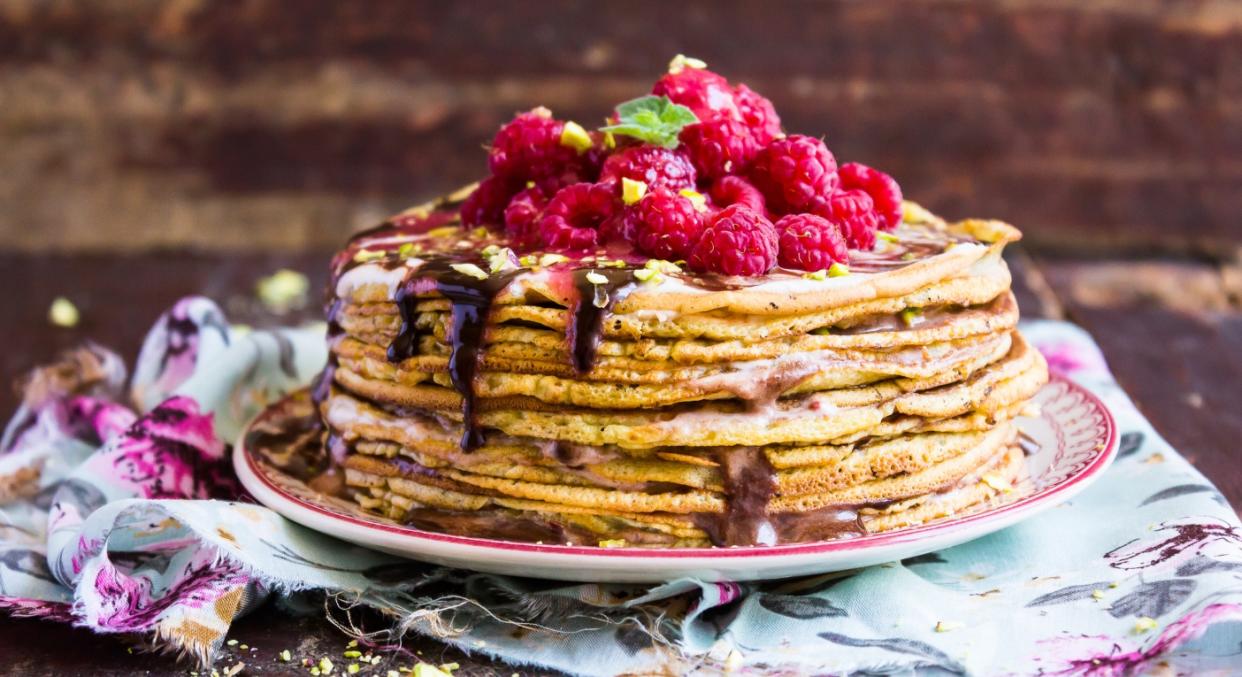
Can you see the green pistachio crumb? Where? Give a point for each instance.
(595, 278)
(816, 275)
(838, 270)
(632, 191)
(550, 259)
(63, 313)
(574, 136)
(470, 269)
(910, 315)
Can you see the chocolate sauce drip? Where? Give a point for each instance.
(749, 482)
(586, 315)
(470, 300)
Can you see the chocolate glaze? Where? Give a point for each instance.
(749, 482)
(470, 301)
(586, 315)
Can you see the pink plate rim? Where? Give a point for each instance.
(1095, 466)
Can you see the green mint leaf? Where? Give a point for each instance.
(653, 119)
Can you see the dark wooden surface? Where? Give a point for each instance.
(273, 124)
(1170, 330)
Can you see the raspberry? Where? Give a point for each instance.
(854, 213)
(668, 225)
(705, 93)
(738, 241)
(758, 114)
(529, 148)
(574, 215)
(881, 187)
(810, 242)
(486, 205)
(522, 218)
(657, 167)
(792, 172)
(734, 190)
(719, 147)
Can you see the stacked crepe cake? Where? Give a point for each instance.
(632, 336)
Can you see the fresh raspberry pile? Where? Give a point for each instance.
(698, 171)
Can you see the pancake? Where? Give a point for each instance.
(601, 398)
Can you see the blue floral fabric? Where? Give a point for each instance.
(121, 514)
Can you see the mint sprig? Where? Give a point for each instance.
(653, 119)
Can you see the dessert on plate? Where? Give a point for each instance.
(683, 328)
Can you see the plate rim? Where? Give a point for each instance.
(246, 468)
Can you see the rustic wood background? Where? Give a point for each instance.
(282, 124)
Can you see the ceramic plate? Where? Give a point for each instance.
(1071, 443)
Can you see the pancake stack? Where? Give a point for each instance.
(603, 399)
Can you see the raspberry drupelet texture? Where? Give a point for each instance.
(734, 190)
(486, 205)
(758, 114)
(719, 147)
(854, 213)
(522, 218)
(574, 215)
(705, 93)
(738, 241)
(529, 148)
(668, 225)
(810, 242)
(794, 172)
(655, 166)
(880, 187)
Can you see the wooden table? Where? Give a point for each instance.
(1170, 330)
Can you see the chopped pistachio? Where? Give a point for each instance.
(910, 315)
(325, 665)
(662, 266)
(948, 626)
(244, 647)
(550, 259)
(352, 668)
(696, 198)
(231, 642)
(490, 249)
(285, 656)
(682, 62)
(314, 672)
(612, 543)
(449, 667)
(530, 184)
(470, 269)
(632, 191)
(365, 255)
(443, 231)
(502, 258)
(283, 290)
(908, 256)
(595, 278)
(479, 232)
(1145, 624)
(1113, 584)
(816, 275)
(838, 270)
(407, 250)
(644, 274)
(428, 670)
(1097, 594)
(886, 236)
(529, 261)
(63, 313)
(610, 141)
(394, 673)
(352, 643)
(352, 653)
(574, 136)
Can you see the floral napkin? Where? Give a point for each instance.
(121, 513)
